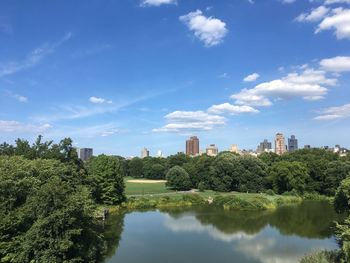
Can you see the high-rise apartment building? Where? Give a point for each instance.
(144, 153)
(85, 153)
(212, 150)
(264, 146)
(280, 145)
(234, 148)
(192, 146)
(292, 144)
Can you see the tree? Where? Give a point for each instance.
(178, 179)
(157, 172)
(136, 167)
(342, 196)
(106, 174)
(287, 176)
(336, 172)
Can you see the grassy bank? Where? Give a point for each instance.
(321, 257)
(228, 201)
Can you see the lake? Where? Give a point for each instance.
(214, 235)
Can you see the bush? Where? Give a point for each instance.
(321, 257)
(270, 192)
(201, 187)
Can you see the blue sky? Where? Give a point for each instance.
(126, 74)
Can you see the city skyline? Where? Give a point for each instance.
(120, 73)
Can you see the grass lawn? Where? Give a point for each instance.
(132, 188)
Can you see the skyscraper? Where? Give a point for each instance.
(280, 145)
(234, 148)
(144, 153)
(264, 146)
(85, 153)
(212, 150)
(192, 146)
(292, 143)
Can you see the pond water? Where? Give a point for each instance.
(214, 235)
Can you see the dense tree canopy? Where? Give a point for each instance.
(178, 179)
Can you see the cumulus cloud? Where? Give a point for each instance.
(157, 2)
(185, 121)
(333, 113)
(251, 77)
(310, 84)
(336, 64)
(20, 98)
(18, 127)
(209, 30)
(231, 109)
(315, 15)
(97, 100)
(338, 20)
(33, 58)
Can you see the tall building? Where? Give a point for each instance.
(280, 145)
(264, 146)
(234, 148)
(160, 154)
(192, 146)
(292, 144)
(85, 153)
(144, 153)
(212, 150)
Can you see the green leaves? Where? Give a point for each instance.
(178, 179)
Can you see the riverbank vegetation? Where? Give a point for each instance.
(48, 197)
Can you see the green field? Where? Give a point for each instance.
(144, 188)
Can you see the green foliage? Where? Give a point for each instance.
(342, 197)
(288, 176)
(106, 175)
(343, 236)
(178, 179)
(135, 168)
(321, 257)
(201, 187)
(46, 213)
(230, 172)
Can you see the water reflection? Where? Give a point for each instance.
(213, 235)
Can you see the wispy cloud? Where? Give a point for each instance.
(158, 2)
(33, 58)
(18, 97)
(97, 100)
(333, 113)
(252, 77)
(96, 49)
(231, 109)
(20, 127)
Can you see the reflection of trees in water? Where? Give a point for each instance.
(310, 219)
(113, 229)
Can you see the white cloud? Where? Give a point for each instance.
(209, 30)
(309, 84)
(336, 64)
(288, 1)
(157, 2)
(231, 109)
(97, 100)
(338, 20)
(334, 113)
(18, 127)
(20, 98)
(223, 76)
(184, 121)
(330, 2)
(33, 58)
(315, 15)
(251, 77)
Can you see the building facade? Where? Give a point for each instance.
(234, 148)
(264, 146)
(212, 150)
(292, 144)
(85, 153)
(280, 145)
(144, 153)
(192, 146)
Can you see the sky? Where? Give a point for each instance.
(120, 75)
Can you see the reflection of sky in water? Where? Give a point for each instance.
(268, 246)
(155, 237)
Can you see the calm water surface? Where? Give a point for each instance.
(213, 235)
